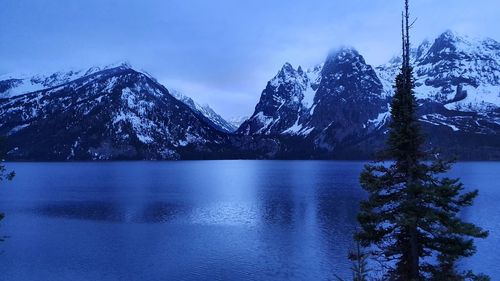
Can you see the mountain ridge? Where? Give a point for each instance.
(339, 109)
(112, 113)
(207, 112)
(457, 86)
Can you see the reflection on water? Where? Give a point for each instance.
(154, 212)
(213, 220)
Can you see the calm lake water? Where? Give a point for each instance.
(200, 220)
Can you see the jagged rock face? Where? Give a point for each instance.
(339, 109)
(349, 99)
(462, 73)
(329, 103)
(287, 98)
(457, 83)
(457, 86)
(111, 114)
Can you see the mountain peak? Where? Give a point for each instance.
(455, 41)
(457, 70)
(457, 38)
(449, 35)
(344, 55)
(122, 64)
(300, 70)
(345, 73)
(345, 59)
(452, 46)
(287, 68)
(288, 74)
(343, 51)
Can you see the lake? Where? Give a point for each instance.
(201, 220)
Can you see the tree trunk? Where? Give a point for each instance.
(414, 261)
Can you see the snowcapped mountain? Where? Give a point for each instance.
(338, 109)
(348, 101)
(331, 100)
(460, 72)
(207, 112)
(12, 85)
(457, 82)
(341, 108)
(287, 97)
(115, 113)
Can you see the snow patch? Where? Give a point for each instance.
(17, 129)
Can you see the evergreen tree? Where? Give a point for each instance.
(411, 217)
(359, 268)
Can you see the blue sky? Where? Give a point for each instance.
(220, 52)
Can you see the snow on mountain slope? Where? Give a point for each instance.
(457, 82)
(206, 111)
(456, 72)
(287, 97)
(12, 85)
(348, 98)
(300, 103)
(116, 113)
(346, 112)
(339, 109)
(461, 72)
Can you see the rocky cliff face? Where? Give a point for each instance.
(287, 98)
(339, 109)
(457, 82)
(348, 101)
(109, 114)
(457, 86)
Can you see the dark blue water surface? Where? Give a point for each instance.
(201, 220)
